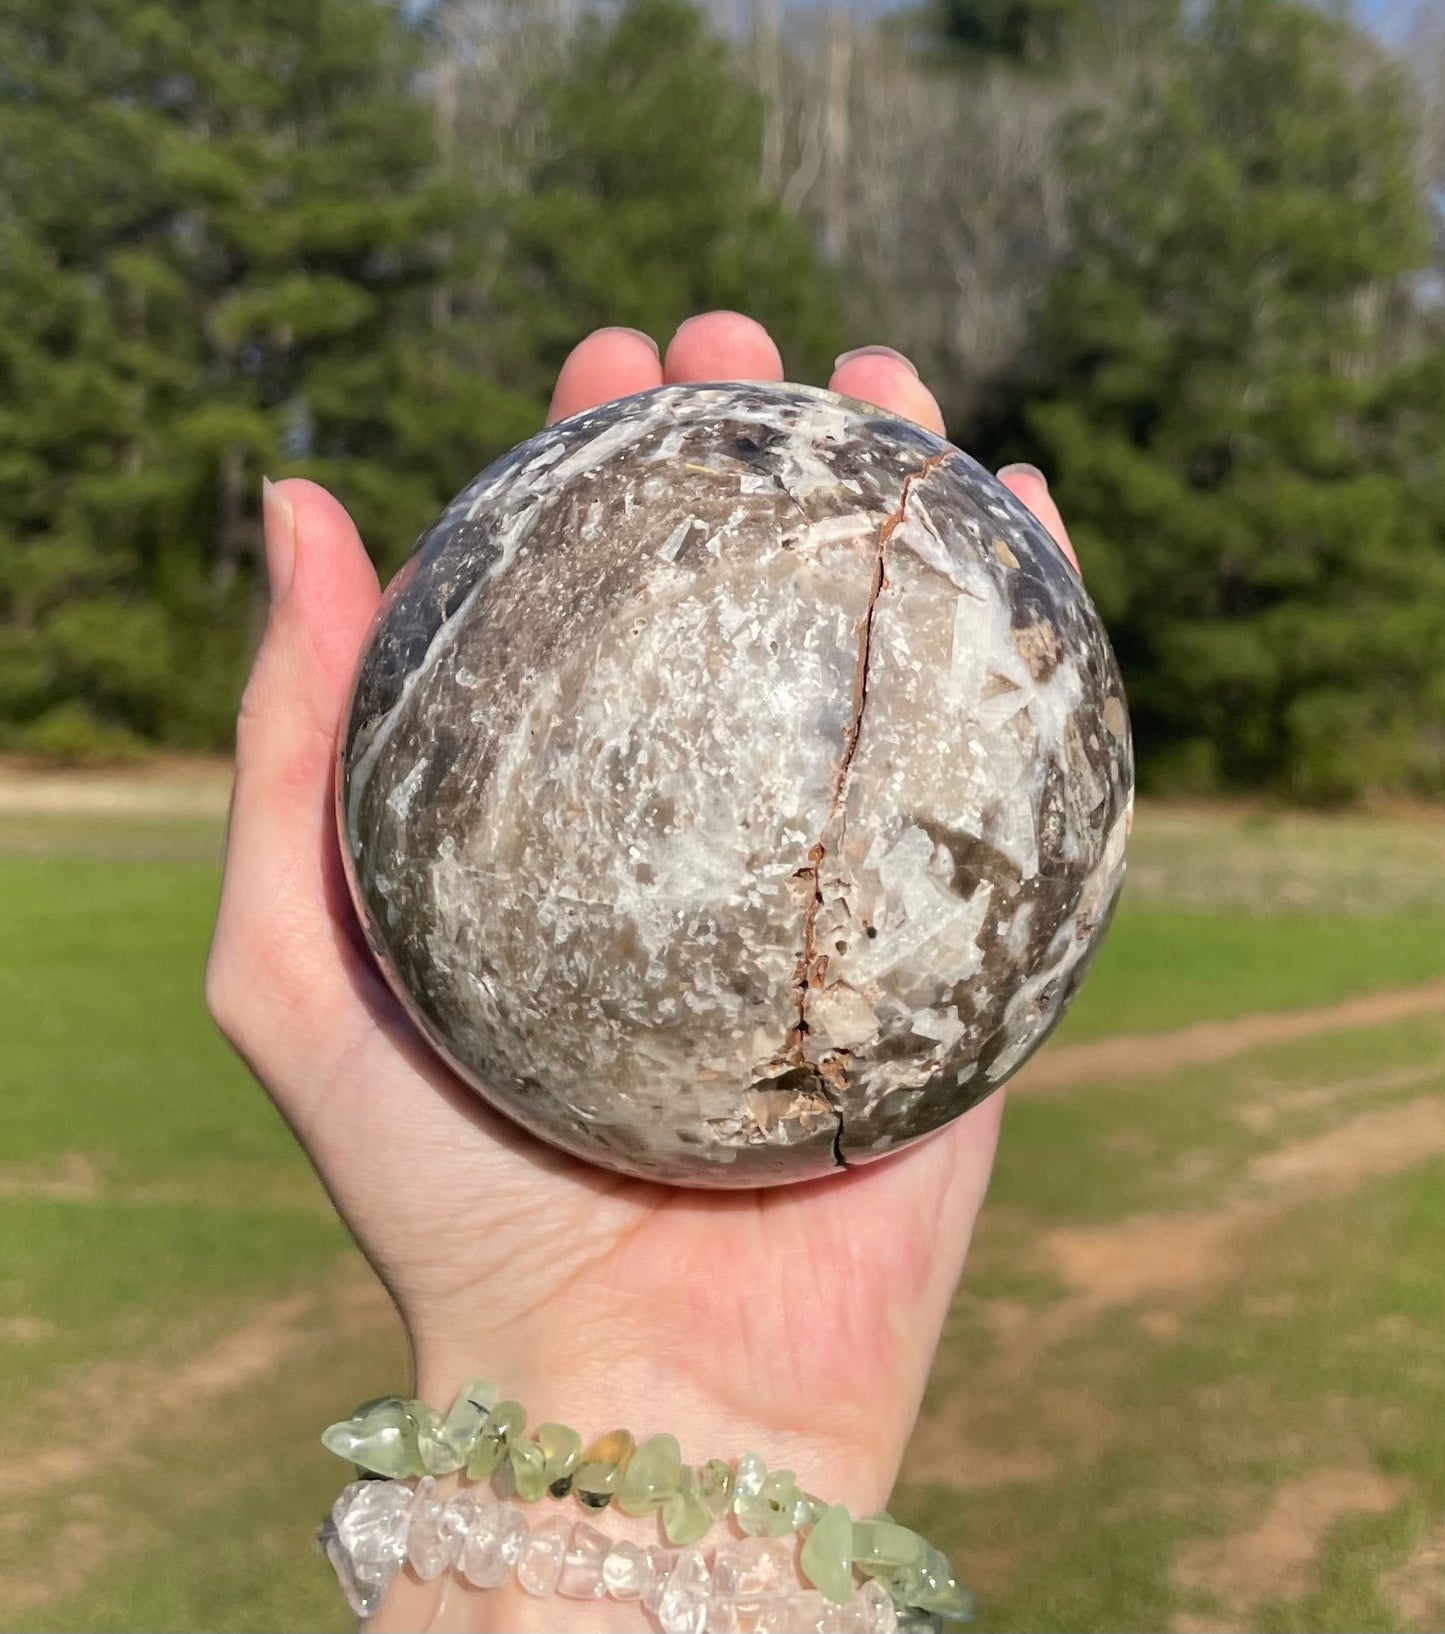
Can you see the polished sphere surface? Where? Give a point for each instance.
(735, 785)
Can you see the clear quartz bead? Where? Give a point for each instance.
(372, 1528)
(363, 1589)
(683, 1606)
(429, 1550)
(723, 1616)
(627, 1571)
(493, 1544)
(581, 1577)
(880, 1615)
(752, 1472)
(784, 1614)
(849, 1618)
(663, 1560)
(539, 1565)
(753, 1571)
(456, 1520)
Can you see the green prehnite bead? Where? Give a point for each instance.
(684, 1515)
(770, 1513)
(529, 1468)
(467, 1416)
(827, 1557)
(603, 1465)
(437, 1453)
(485, 1455)
(507, 1418)
(942, 1593)
(380, 1437)
(653, 1474)
(806, 1510)
(715, 1487)
(561, 1451)
(885, 1546)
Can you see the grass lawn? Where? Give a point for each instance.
(1194, 1378)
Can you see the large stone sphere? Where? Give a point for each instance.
(735, 785)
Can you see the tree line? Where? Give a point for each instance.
(1188, 259)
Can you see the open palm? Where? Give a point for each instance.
(801, 1319)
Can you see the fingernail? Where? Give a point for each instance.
(280, 528)
(718, 312)
(1022, 469)
(639, 334)
(876, 351)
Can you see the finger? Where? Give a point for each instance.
(885, 378)
(609, 363)
(721, 346)
(1028, 483)
(280, 899)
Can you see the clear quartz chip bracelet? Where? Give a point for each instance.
(740, 1586)
(377, 1525)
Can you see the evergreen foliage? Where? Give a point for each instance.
(1253, 478)
(242, 236)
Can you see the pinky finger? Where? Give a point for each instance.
(1028, 484)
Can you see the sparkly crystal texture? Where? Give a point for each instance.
(582, 1564)
(751, 1474)
(769, 1512)
(683, 1606)
(746, 1576)
(539, 1564)
(493, 1544)
(380, 1436)
(930, 1586)
(880, 1616)
(753, 1571)
(827, 1558)
(799, 1613)
(627, 1571)
(663, 1560)
(362, 1582)
(429, 1549)
(372, 1528)
(848, 1618)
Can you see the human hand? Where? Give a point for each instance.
(799, 1321)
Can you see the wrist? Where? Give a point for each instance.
(837, 1457)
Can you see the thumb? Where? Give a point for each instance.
(282, 895)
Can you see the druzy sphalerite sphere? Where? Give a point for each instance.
(736, 784)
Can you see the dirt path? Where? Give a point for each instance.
(1151, 1055)
(169, 787)
(114, 1417)
(1159, 1264)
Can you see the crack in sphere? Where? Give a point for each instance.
(735, 785)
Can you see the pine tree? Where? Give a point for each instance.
(645, 205)
(221, 226)
(1220, 408)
